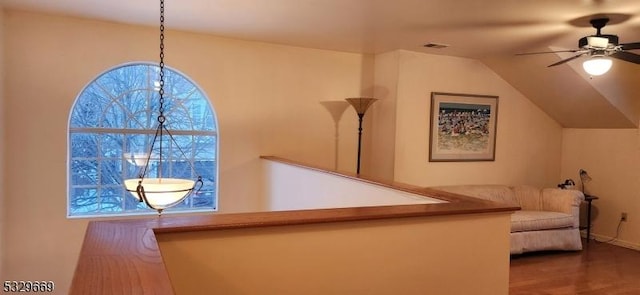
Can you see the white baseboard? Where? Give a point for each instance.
(610, 240)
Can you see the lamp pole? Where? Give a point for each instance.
(360, 116)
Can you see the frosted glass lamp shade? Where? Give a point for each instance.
(161, 193)
(597, 65)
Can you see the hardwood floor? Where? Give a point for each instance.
(598, 269)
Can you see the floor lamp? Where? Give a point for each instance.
(360, 104)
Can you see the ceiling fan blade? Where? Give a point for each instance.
(630, 46)
(566, 60)
(627, 56)
(543, 52)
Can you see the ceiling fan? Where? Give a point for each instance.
(598, 48)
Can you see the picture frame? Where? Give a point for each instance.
(462, 127)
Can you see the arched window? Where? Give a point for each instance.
(114, 117)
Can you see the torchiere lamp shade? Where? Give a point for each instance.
(361, 104)
(584, 178)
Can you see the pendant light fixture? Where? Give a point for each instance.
(160, 193)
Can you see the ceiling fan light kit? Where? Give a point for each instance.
(599, 49)
(596, 42)
(597, 65)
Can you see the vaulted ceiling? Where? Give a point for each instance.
(491, 31)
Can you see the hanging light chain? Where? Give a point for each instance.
(161, 91)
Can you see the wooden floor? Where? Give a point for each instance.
(598, 269)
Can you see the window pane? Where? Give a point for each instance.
(138, 143)
(137, 104)
(182, 148)
(178, 118)
(83, 201)
(111, 172)
(114, 117)
(83, 145)
(88, 109)
(178, 86)
(111, 199)
(205, 147)
(200, 112)
(206, 170)
(84, 172)
(111, 145)
(126, 78)
(203, 199)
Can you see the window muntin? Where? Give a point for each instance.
(114, 117)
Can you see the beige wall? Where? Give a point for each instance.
(384, 112)
(611, 157)
(267, 98)
(2, 128)
(461, 254)
(528, 141)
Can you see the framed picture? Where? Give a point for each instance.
(463, 127)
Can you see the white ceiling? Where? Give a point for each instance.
(489, 30)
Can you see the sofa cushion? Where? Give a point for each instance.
(525, 220)
(497, 193)
(528, 197)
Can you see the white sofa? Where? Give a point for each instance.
(549, 219)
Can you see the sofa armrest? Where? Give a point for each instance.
(562, 200)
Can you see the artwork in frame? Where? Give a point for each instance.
(463, 127)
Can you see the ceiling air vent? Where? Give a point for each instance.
(436, 45)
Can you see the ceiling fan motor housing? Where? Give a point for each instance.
(584, 41)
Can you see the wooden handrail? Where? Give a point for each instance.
(123, 257)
